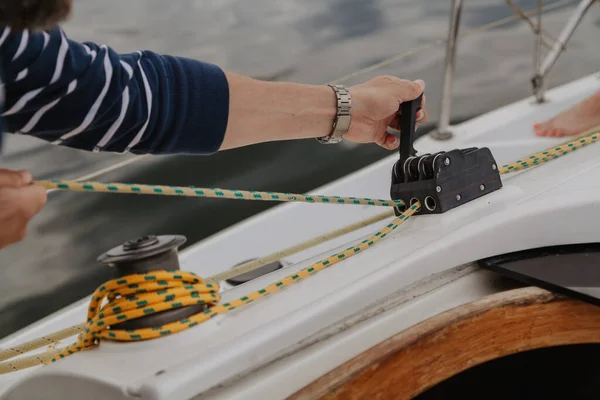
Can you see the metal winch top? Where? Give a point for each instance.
(144, 254)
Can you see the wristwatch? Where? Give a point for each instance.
(341, 124)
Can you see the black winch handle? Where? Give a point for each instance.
(408, 124)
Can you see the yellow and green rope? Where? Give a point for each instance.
(552, 153)
(129, 188)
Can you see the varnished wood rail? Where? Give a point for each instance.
(436, 349)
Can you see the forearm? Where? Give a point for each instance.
(269, 111)
(149, 103)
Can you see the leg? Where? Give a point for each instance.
(576, 120)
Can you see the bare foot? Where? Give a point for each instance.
(576, 120)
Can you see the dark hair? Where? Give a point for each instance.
(33, 14)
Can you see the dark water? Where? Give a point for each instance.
(310, 41)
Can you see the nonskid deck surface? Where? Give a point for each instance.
(416, 250)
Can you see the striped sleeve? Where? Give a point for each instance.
(89, 97)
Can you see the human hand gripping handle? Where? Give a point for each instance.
(375, 106)
(267, 111)
(19, 202)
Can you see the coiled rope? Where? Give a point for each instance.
(140, 295)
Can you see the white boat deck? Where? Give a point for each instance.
(391, 284)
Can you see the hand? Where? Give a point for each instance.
(19, 202)
(375, 106)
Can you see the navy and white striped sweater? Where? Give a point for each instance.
(89, 97)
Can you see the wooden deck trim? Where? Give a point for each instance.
(428, 353)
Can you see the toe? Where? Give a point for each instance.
(560, 132)
(540, 130)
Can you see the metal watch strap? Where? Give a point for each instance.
(341, 123)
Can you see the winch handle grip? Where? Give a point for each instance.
(408, 125)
